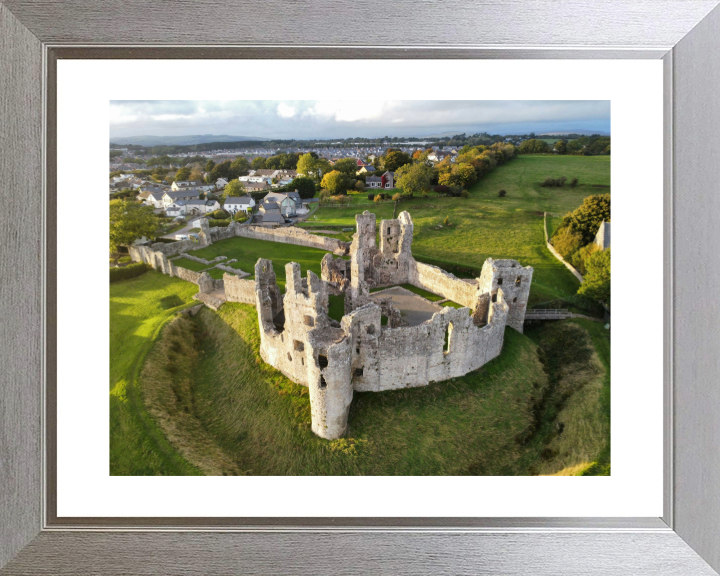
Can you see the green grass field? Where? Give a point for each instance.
(248, 250)
(139, 308)
(220, 410)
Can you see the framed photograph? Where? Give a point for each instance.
(359, 308)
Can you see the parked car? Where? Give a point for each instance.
(181, 237)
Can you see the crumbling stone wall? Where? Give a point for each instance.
(337, 272)
(447, 285)
(238, 289)
(296, 236)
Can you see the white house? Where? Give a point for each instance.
(155, 199)
(221, 183)
(201, 206)
(192, 185)
(235, 203)
(169, 198)
(290, 203)
(176, 209)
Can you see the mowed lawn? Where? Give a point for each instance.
(485, 225)
(139, 308)
(248, 250)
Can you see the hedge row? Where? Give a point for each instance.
(130, 271)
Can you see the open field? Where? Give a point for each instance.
(139, 308)
(248, 250)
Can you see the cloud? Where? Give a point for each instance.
(348, 118)
(285, 110)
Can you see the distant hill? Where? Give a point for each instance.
(581, 132)
(182, 140)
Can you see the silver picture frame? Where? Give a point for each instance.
(684, 34)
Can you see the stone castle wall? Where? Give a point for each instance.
(296, 236)
(447, 285)
(238, 289)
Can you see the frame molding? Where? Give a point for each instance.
(684, 33)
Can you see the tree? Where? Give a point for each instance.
(393, 159)
(534, 146)
(502, 193)
(306, 165)
(258, 163)
(335, 182)
(304, 185)
(130, 221)
(596, 283)
(182, 174)
(195, 175)
(222, 170)
(210, 164)
(561, 147)
(239, 167)
(360, 185)
(414, 178)
(347, 166)
(234, 189)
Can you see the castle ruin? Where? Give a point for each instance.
(363, 353)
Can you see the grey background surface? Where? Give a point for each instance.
(685, 32)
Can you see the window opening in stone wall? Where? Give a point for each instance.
(515, 299)
(448, 331)
(494, 298)
(289, 357)
(299, 346)
(309, 320)
(371, 329)
(499, 281)
(357, 350)
(302, 361)
(323, 384)
(388, 231)
(322, 361)
(359, 372)
(517, 281)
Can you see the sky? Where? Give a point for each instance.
(322, 119)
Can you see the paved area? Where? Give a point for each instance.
(414, 309)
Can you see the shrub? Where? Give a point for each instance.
(128, 272)
(219, 214)
(240, 216)
(502, 193)
(125, 259)
(371, 197)
(442, 189)
(465, 194)
(360, 185)
(573, 182)
(219, 222)
(396, 197)
(381, 196)
(559, 182)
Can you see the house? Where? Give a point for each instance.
(176, 210)
(233, 204)
(439, 156)
(221, 183)
(373, 182)
(255, 178)
(192, 185)
(201, 206)
(388, 180)
(385, 182)
(169, 198)
(289, 203)
(155, 199)
(143, 196)
(369, 169)
(256, 186)
(265, 172)
(602, 238)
